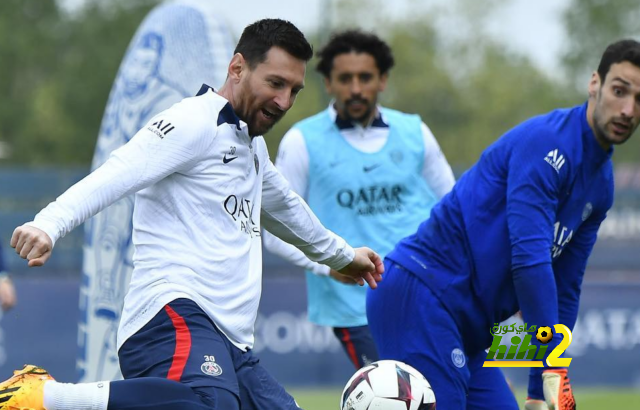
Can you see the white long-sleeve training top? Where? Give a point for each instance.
(204, 187)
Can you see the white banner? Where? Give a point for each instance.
(179, 46)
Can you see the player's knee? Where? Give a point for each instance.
(220, 400)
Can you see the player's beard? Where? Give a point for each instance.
(260, 118)
(362, 118)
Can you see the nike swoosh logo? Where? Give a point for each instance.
(370, 168)
(227, 160)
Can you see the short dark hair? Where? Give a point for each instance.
(258, 38)
(618, 52)
(355, 41)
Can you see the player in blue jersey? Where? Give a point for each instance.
(514, 234)
(371, 174)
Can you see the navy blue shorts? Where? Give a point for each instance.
(358, 344)
(410, 324)
(181, 343)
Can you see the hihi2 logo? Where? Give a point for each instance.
(522, 353)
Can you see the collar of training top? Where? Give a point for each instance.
(378, 120)
(227, 115)
(591, 147)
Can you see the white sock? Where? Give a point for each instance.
(81, 396)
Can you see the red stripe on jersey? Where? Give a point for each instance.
(183, 345)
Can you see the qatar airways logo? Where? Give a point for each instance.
(561, 237)
(373, 200)
(241, 211)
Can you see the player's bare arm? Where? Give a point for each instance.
(32, 244)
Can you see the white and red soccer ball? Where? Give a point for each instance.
(388, 385)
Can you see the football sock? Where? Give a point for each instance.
(83, 396)
(133, 394)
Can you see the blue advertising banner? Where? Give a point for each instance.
(42, 329)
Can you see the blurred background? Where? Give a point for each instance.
(471, 68)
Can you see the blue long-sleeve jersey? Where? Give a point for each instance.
(516, 231)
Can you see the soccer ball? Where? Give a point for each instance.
(544, 334)
(388, 385)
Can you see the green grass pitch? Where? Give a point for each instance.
(586, 399)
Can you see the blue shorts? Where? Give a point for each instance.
(409, 324)
(181, 343)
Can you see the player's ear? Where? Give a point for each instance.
(236, 67)
(594, 84)
(383, 82)
(327, 84)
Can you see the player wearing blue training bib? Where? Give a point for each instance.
(370, 174)
(514, 234)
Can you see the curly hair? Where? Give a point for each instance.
(354, 41)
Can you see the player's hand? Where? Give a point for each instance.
(7, 293)
(32, 244)
(366, 266)
(558, 394)
(344, 279)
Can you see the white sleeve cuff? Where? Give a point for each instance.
(321, 270)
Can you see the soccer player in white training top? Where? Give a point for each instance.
(204, 186)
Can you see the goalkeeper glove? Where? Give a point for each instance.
(557, 392)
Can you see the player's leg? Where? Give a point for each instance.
(181, 346)
(33, 388)
(488, 388)
(358, 343)
(177, 361)
(258, 389)
(410, 325)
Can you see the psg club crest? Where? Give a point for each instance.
(210, 367)
(457, 357)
